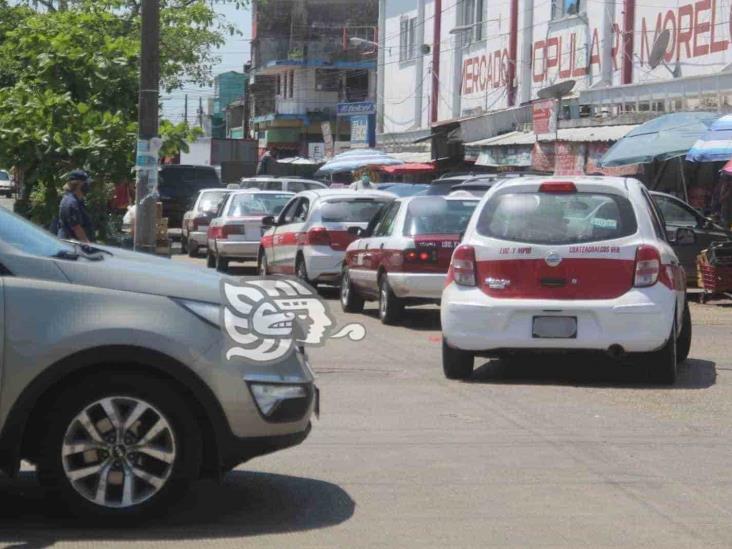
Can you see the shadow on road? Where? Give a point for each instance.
(589, 371)
(244, 504)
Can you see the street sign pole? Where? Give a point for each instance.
(148, 143)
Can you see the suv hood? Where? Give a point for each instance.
(128, 271)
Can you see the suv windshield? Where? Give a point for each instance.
(351, 210)
(29, 238)
(258, 204)
(437, 216)
(543, 218)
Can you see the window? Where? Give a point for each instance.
(301, 213)
(310, 186)
(210, 200)
(564, 8)
(295, 186)
(288, 214)
(556, 219)
(407, 38)
(271, 186)
(386, 225)
(242, 205)
(436, 215)
(480, 20)
(658, 226)
(284, 84)
(29, 238)
(292, 84)
(353, 210)
(279, 85)
(327, 80)
(675, 213)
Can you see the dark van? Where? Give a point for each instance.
(178, 184)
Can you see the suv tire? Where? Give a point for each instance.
(663, 364)
(351, 302)
(126, 496)
(456, 364)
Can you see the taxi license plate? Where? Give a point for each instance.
(555, 327)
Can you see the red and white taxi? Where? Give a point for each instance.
(580, 264)
(310, 236)
(403, 257)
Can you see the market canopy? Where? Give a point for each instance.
(668, 136)
(298, 161)
(715, 145)
(410, 167)
(356, 159)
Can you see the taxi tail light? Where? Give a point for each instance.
(462, 267)
(228, 230)
(198, 222)
(647, 266)
(558, 187)
(215, 233)
(318, 236)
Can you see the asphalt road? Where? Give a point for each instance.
(548, 453)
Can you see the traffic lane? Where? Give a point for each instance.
(534, 458)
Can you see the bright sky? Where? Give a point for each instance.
(233, 56)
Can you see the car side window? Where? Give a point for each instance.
(301, 212)
(676, 213)
(295, 186)
(311, 186)
(659, 227)
(272, 186)
(386, 226)
(288, 213)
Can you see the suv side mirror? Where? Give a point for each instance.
(682, 237)
(269, 221)
(358, 232)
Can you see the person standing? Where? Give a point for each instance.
(74, 222)
(362, 184)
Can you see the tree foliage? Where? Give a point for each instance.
(69, 83)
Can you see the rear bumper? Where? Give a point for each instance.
(323, 263)
(639, 321)
(417, 285)
(237, 249)
(197, 239)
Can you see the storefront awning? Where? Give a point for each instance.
(588, 134)
(413, 167)
(511, 138)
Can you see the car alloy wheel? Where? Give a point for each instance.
(118, 452)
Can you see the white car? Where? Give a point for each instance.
(535, 272)
(234, 234)
(7, 185)
(288, 184)
(403, 256)
(196, 220)
(309, 238)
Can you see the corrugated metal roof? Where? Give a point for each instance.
(582, 135)
(593, 133)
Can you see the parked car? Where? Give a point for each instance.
(403, 189)
(678, 214)
(115, 384)
(7, 185)
(443, 186)
(287, 184)
(236, 230)
(476, 187)
(310, 236)
(566, 265)
(178, 184)
(198, 218)
(402, 257)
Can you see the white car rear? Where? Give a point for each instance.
(196, 220)
(581, 264)
(309, 238)
(234, 235)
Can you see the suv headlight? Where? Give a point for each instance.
(208, 312)
(280, 402)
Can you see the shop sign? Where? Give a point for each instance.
(545, 117)
(360, 131)
(356, 109)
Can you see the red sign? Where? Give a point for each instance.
(544, 116)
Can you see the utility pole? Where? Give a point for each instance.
(185, 111)
(148, 143)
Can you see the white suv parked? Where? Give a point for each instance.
(580, 264)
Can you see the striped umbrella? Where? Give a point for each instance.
(715, 145)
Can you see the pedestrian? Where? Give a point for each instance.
(265, 163)
(362, 184)
(74, 222)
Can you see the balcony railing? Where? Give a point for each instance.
(321, 45)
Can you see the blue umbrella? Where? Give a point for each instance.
(668, 136)
(351, 161)
(715, 145)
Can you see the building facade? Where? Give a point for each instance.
(311, 59)
(229, 87)
(460, 73)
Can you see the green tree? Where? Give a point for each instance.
(69, 82)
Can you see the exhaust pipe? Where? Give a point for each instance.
(616, 352)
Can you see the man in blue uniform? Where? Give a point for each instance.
(74, 222)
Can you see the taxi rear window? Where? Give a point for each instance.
(350, 210)
(435, 215)
(557, 218)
